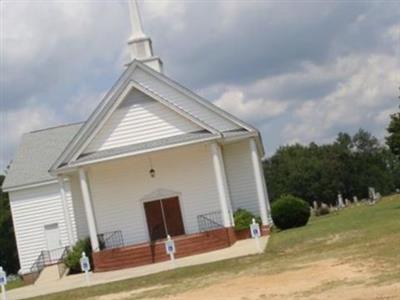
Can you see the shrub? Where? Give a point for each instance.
(243, 218)
(72, 261)
(289, 212)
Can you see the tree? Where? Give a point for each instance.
(393, 139)
(349, 165)
(8, 248)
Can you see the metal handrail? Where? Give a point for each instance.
(209, 221)
(111, 240)
(37, 266)
(46, 258)
(61, 262)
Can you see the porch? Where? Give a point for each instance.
(128, 206)
(213, 236)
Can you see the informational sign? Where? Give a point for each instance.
(3, 282)
(256, 234)
(170, 246)
(3, 277)
(170, 249)
(255, 230)
(85, 264)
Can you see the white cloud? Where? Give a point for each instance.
(153, 10)
(234, 102)
(364, 97)
(81, 105)
(17, 122)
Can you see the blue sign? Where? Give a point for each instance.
(3, 277)
(255, 230)
(170, 247)
(85, 265)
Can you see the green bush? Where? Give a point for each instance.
(243, 218)
(72, 261)
(289, 212)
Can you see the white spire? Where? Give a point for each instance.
(136, 21)
(139, 44)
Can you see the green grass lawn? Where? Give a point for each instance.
(15, 284)
(364, 235)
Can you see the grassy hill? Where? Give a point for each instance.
(363, 237)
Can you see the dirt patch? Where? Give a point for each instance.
(127, 294)
(328, 279)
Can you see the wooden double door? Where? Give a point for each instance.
(164, 218)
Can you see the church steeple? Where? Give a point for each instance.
(139, 44)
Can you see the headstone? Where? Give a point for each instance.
(378, 196)
(372, 195)
(355, 199)
(347, 202)
(340, 201)
(315, 205)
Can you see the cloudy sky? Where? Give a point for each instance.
(299, 71)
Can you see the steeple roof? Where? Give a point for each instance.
(140, 45)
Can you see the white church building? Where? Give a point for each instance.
(153, 159)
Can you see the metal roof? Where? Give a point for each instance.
(35, 154)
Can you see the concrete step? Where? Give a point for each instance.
(48, 274)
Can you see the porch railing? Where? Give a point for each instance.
(37, 266)
(46, 258)
(111, 240)
(210, 221)
(62, 267)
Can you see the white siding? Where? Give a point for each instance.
(81, 230)
(240, 176)
(118, 187)
(139, 119)
(32, 209)
(198, 110)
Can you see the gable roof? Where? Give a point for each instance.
(160, 88)
(35, 154)
(140, 148)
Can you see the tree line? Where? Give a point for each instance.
(349, 165)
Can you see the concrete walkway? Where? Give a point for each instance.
(240, 248)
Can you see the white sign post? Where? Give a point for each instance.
(256, 233)
(85, 266)
(170, 249)
(3, 282)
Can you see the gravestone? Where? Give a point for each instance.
(371, 195)
(340, 201)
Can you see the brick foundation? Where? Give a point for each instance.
(148, 253)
